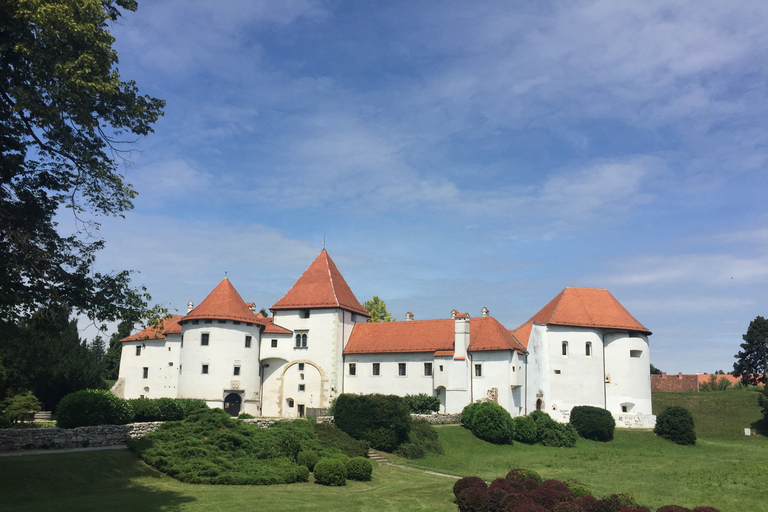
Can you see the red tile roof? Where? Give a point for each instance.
(321, 286)
(704, 377)
(170, 325)
(428, 336)
(224, 303)
(523, 333)
(586, 307)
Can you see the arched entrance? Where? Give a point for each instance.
(539, 404)
(232, 404)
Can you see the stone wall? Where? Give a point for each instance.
(80, 437)
(439, 419)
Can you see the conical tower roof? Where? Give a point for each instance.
(224, 303)
(321, 286)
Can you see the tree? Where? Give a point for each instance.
(65, 119)
(98, 348)
(110, 363)
(378, 310)
(18, 406)
(752, 361)
(655, 371)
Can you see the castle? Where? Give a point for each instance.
(583, 348)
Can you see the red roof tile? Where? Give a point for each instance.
(523, 333)
(321, 286)
(224, 303)
(587, 307)
(428, 336)
(170, 325)
(272, 328)
(443, 353)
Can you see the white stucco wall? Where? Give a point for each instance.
(496, 370)
(161, 358)
(630, 378)
(389, 382)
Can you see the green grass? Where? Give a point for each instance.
(117, 480)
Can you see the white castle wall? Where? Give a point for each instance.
(161, 358)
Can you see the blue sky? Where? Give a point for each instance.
(458, 155)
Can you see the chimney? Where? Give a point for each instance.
(252, 307)
(461, 335)
(190, 307)
(409, 317)
(484, 312)
(454, 313)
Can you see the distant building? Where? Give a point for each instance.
(583, 348)
(685, 381)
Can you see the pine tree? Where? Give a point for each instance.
(752, 361)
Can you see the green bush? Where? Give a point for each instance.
(191, 405)
(524, 429)
(307, 458)
(359, 468)
(331, 435)
(593, 423)
(551, 433)
(17, 407)
(246, 416)
(92, 407)
(156, 409)
(330, 472)
(676, 424)
(492, 423)
(422, 439)
(618, 502)
(382, 420)
(468, 414)
(521, 474)
(577, 488)
(422, 403)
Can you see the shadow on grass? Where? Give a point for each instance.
(100, 480)
(760, 426)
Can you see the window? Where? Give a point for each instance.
(208, 321)
(237, 370)
(441, 367)
(301, 367)
(222, 321)
(623, 408)
(146, 372)
(635, 353)
(248, 341)
(401, 369)
(588, 349)
(303, 313)
(195, 322)
(274, 343)
(204, 338)
(169, 349)
(290, 402)
(235, 322)
(301, 376)
(182, 341)
(565, 349)
(557, 372)
(205, 368)
(427, 369)
(478, 370)
(302, 387)
(138, 350)
(376, 369)
(353, 369)
(301, 340)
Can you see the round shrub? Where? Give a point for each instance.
(524, 429)
(468, 413)
(330, 472)
(521, 474)
(495, 495)
(557, 485)
(675, 424)
(92, 407)
(307, 458)
(578, 489)
(614, 502)
(343, 457)
(359, 468)
(516, 501)
(593, 423)
(558, 435)
(422, 403)
(466, 482)
(474, 499)
(492, 423)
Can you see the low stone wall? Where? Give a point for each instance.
(80, 437)
(439, 419)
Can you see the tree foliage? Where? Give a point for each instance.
(66, 116)
(752, 360)
(377, 308)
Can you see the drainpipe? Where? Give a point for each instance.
(605, 384)
(525, 397)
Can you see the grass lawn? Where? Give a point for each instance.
(116, 480)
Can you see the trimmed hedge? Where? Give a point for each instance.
(92, 407)
(359, 468)
(330, 472)
(156, 409)
(489, 421)
(307, 458)
(593, 423)
(382, 420)
(676, 424)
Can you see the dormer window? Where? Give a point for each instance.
(304, 313)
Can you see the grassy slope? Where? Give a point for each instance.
(116, 480)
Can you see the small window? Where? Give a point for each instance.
(146, 372)
(248, 341)
(195, 322)
(290, 402)
(565, 349)
(401, 369)
(635, 353)
(274, 343)
(624, 408)
(301, 376)
(205, 368)
(170, 363)
(237, 370)
(235, 322)
(478, 370)
(222, 321)
(303, 313)
(204, 338)
(301, 341)
(138, 350)
(557, 372)
(352, 369)
(441, 367)
(427, 369)
(208, 321)
(588, 349)
(302, 387)
(376, 369)
(169, 349)
(301, 367)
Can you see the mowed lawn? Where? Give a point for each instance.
(725, 469)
